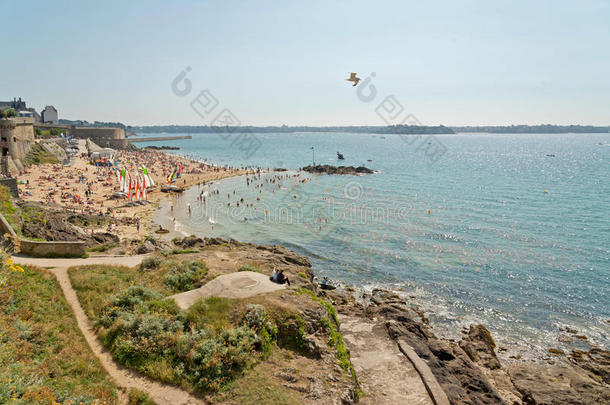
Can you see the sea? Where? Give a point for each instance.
(508, 230)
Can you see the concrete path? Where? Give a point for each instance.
(124, 378)
(242, 284)
(385, 374)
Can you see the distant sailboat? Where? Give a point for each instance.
(340, 156)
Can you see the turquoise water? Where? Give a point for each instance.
(495, 231)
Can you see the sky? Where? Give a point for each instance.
(284, 62)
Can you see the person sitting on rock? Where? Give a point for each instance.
(281, 278)
(273, 276)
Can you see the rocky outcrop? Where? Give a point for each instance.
(556, 385)
(328, 169)
(469, 371)
(274, 256)
(595, 361)
(480, 347)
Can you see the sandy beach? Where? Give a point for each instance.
(66, 186)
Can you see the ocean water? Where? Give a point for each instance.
(510, 230)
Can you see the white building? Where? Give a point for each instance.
(49, 115)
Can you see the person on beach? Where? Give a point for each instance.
(280, 278)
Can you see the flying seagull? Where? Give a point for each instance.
(353, 78)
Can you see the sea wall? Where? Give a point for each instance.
(159, 138)
(105, 137)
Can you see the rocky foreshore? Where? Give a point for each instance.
(329, 169)
(469, 370)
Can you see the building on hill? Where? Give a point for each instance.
(49, 115)
(16, 104)
(16, 139)
(22, 109)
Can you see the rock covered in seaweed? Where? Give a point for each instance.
(328, 169)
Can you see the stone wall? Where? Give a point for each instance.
(53, 148)
(52, 249)
(106, 137)
(41, 249)
(11, 184)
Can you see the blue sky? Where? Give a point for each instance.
(283, 62)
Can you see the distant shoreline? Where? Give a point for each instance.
(376, 130)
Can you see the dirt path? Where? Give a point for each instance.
(124, 378)
(385, 374)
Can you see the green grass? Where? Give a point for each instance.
(208, 348)
(302, 275)
(43, 356)
(9, 211)
(210, 313)
(249, 267)
(39, 155)
(95, 284)
(176, 251)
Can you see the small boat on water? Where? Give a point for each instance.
(340, 156)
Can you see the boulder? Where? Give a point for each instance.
(480, 347)
(556, 385)
(145, 247)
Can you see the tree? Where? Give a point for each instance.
(2, 114)
(11, 112)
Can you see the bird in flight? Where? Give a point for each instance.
(353, 78)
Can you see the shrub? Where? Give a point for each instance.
(151, 262)
(257, 319)
(147, 333)
(138, 397)
(213, 362)
(182, 276)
